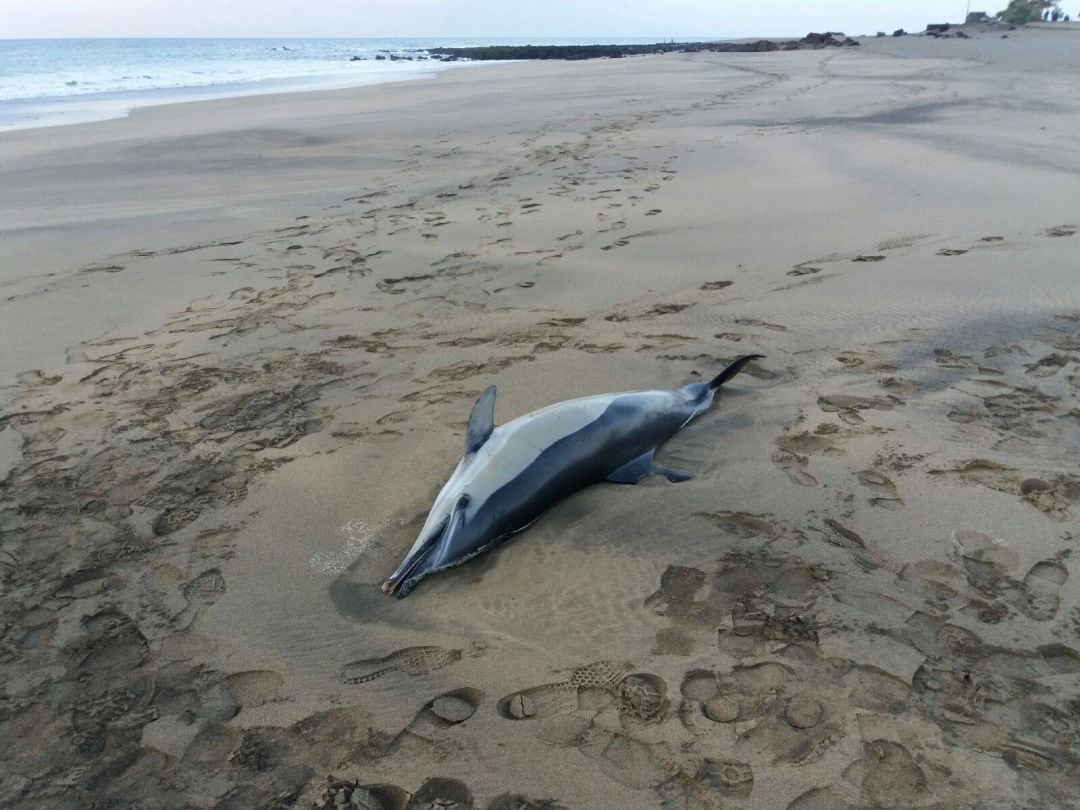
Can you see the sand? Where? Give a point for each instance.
(241, 340)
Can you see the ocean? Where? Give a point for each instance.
(46, 82)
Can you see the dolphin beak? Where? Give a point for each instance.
(412, 562)
(425, 558)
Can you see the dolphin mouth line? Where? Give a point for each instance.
(396, 580)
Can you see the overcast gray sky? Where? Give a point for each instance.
(480, 18)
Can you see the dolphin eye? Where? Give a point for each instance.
(463, 501)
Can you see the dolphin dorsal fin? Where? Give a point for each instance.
(481, 421)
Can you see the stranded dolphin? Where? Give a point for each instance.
(512, 474)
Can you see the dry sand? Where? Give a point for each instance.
(241, 340)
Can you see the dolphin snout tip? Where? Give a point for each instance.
(398, 588)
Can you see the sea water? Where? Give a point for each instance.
(44, 82)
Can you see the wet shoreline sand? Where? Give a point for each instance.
(242, 339)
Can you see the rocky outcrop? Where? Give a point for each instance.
(495, 52)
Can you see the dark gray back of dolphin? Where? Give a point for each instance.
(511, 475)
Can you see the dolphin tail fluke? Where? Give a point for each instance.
(733, 369)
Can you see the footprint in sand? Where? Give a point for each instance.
(412, 661)
(755, 322)
(1048, 366)
(1054, 498)
(427, 731)
(794, 466)
(864, 361)
(652, 212)
(642, 697)
(803, 270)
(441, 713)
(984, 557)
(988, 560)
(207, 587)
(765, 705)
(847, 406)
(361, 797)
(1039, 595)
(437, 792)
(888, 775)
(715, 777)
(862, 552)
(951, 252)
(741, 524)
(885, 494)
(517, 801)
(962, 416)
(562, 697)
(600, 711)
(36, 377)
(638, 696)
(1061, 230)
(869, 259)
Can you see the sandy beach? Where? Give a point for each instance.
(241, 339)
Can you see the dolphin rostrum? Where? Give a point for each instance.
(510, 475)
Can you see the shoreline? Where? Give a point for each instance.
(97, 107)
(242, 340)
(384, 60)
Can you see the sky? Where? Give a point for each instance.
(469, 18)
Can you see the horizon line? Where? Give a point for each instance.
(659, 39)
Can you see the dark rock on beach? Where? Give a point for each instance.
(494, 52)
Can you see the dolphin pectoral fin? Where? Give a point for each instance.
(674, 476)
(642, 467)
(481, 421)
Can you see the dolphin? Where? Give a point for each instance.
(510, 475)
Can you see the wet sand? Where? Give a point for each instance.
(241, 341)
